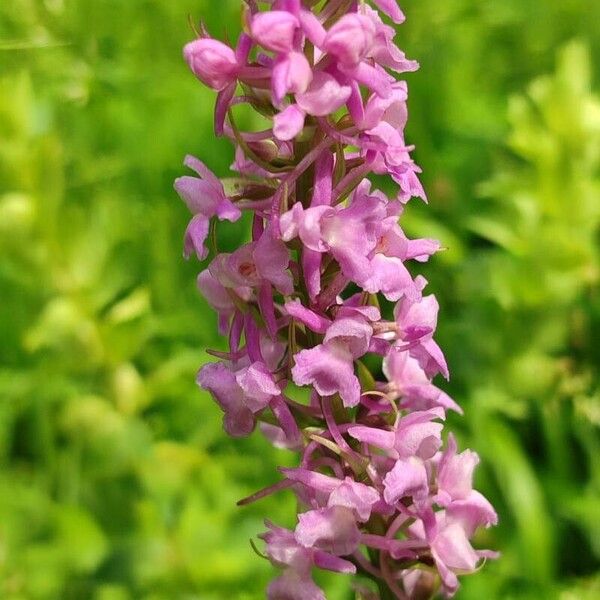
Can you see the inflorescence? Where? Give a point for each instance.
(301, 304)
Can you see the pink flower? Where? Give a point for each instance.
(349, 233)
(417, 434)
(407, 478)
(357, 497)
(250, 265)
(350, 39)
(258, 386)
(218, 297)
(288, 123)
(293, 586)
(331, 529)
(329, 368)
(284, 550)
(383, 50)
(205, 197)
(409, 384)
(450, 548)
(296, 582)
(383, 122)
(349, 42)
(292, 74)
(274, 30)
(453, 552)
(220, 381)
(242, 391)
(455, 473)
(323, 96)
(472, 512)
(213, 63)
(416, 320)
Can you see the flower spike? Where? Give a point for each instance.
(379, 494)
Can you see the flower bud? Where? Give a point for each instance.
(211, 61)
(274, 30)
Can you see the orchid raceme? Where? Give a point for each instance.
(380, 495)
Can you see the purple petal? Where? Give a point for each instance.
(222, 104)
(283, 549)
(312, 320)
(417, 435)
(288, 424)
(425, 396)
(353, 332)
(375, 79)
(288, 123)
(291, 74)
(274, 30)
(422, 249)
(417, 319)
(407, 478)
(452, 547)
(355, 103)
(323, 96)
(323, 180)
(329, 562)
(358, 497)
(258, 385)
(331, 529)
(391, 9)
(215, 294)
(195, 236)
(431, 359)
(272, 259)
(472, 512)
(205, 173)
(350, 38)
(276, 436)
(293, 585)
(244, 46)
(330, 369)
(389, 276)
(238, 420)
(455, 475)
(380, 438)
(199, 195)
(312, 479)
(311, 267)
(213, 62)
(309, 226)
(289, 222)
(312, 28)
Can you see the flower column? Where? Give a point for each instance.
(299, 303)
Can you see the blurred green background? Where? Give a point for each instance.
(116, 480)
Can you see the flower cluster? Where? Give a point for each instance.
(302, 303)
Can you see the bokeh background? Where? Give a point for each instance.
(116, 480)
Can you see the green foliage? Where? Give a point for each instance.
(529, 307)
(116, 480)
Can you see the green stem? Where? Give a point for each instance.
(384, 591)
